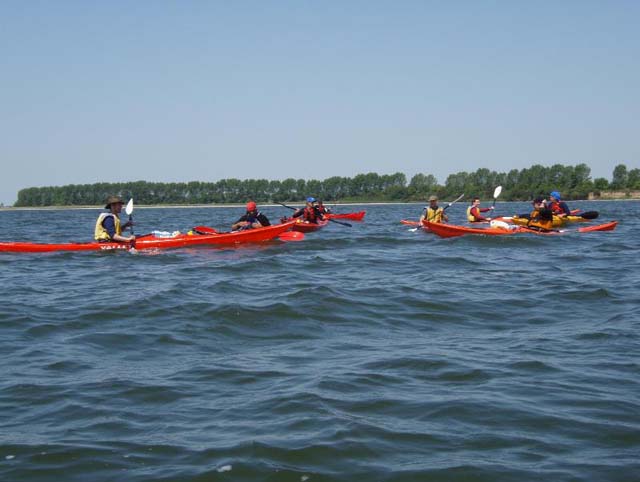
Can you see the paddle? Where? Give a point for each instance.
(329, 219)
(443, 210)
(589, 215)
(129, 211)
(291, 236)
(496, 193)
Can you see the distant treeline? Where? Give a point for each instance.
(574, 182)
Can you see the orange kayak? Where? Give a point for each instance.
(452, 230)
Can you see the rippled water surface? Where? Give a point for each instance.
(370, 353)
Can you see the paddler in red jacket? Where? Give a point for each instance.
(251, 219)
(557, 205)
(310, 212)
(108, 227)
(473, 211)
(323, 210)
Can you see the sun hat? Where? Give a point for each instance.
(113, 200)
(311, 199)
(555, 194)
(433, 198)
(251, 206)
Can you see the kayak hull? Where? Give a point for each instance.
(307, 227)
(452, 230)
(359, 216)
(150, 241)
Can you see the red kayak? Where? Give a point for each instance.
(151, 241)
(359, 216)
(451, 230)
(305, 226)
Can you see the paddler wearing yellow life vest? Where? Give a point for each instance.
(108, 227)
(541, 217)
(433, 213)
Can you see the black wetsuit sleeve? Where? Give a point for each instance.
(263, 220)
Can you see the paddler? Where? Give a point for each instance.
(322, 208)
(310, 212)
(541, 218)
(108, 227)
(473, 211)
(251, 219)
(433, 213)
(557, 205)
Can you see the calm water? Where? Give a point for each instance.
(370, 353)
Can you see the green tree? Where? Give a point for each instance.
(620, 177)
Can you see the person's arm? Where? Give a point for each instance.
(475, 212)
(262, 221)
(242, 221)
(318, 213)
(565, 209)
(298, 213)
(110, 226)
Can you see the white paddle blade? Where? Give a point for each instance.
(129, 208)
(497, 192)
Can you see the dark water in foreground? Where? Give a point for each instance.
(369, 353)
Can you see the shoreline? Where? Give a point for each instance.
(242, 205)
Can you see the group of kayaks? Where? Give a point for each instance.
(294, 229)
(289, 230)
(511, 225)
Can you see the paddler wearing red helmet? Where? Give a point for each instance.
(251, 219)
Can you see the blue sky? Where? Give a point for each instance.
(203, 90)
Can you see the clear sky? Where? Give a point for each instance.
(171, 91)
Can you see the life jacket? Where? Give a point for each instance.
(310, 215)
(470, 217)
(101, 234)
(555, 207)
(541, 219)
(434, 215)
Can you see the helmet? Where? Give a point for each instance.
(251, 206)
(311, 199)
(555, 194)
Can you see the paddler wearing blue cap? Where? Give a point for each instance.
(557, 205)
(310, 213)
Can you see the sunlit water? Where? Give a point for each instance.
(363, 353)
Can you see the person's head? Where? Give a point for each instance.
(555, 196)
(251, 207)
(114, 203)
(320, 203)
(475, 201)
(538, 202)
(310, 200)
(433, 200)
